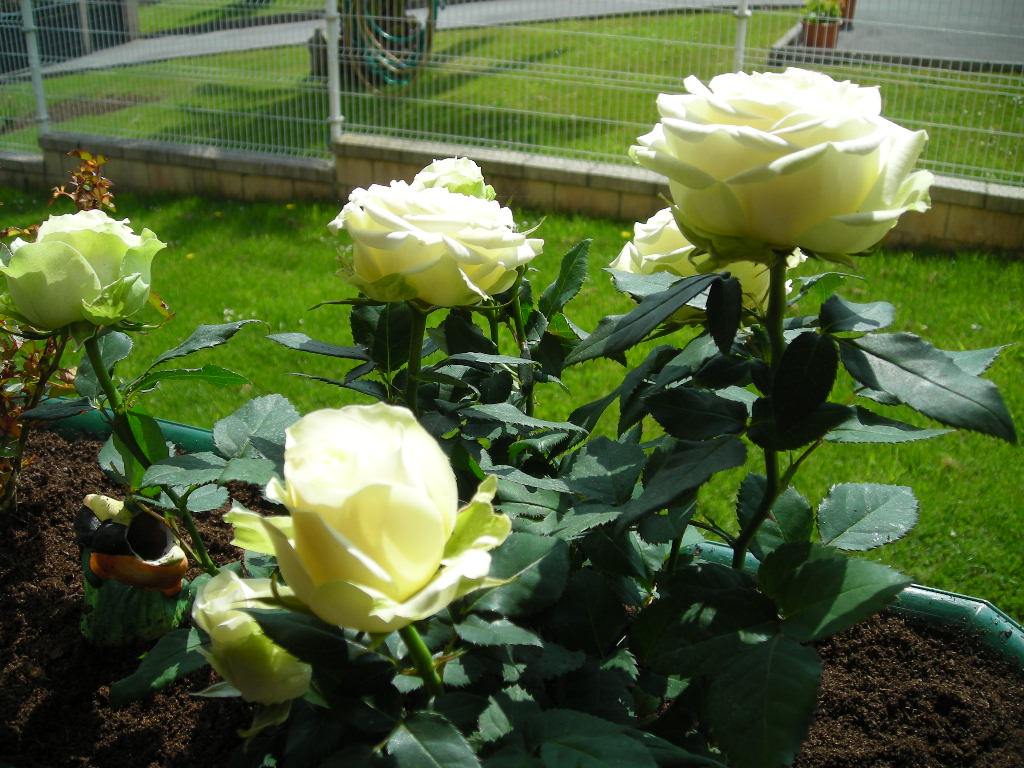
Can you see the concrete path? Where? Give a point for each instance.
(962, 30)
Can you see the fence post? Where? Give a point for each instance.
(28, 26)
(742, 13)
(335, 119)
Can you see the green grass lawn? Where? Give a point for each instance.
(229, 260)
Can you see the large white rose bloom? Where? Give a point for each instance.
(784, 160)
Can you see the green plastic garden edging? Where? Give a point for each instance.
(973, 615)
(994, 629)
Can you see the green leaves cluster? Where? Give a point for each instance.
(610, 641)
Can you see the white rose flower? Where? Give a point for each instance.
(783, 160)
(83, 267)
(376, 538)
(429, 243)
(239, 650)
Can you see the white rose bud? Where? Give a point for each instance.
(377, 539)
(245, 657)
(659, 246)
(424, 241)
(83, 267)
(783, 160)
(456, 174)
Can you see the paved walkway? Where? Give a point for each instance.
(959, 30)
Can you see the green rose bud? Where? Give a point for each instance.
(772, 161)
(377, 539)
(83, 267)
(245, 657)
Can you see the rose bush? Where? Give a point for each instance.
(782, 160)
(239, 650)
(375, 539)
(82, 267)
(425, 241)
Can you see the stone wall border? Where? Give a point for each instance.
(964, 214)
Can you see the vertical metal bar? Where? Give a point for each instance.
(28, 26)
(742, 14)
(335, 118)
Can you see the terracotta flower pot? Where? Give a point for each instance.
(820, 34)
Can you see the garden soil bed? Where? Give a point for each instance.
(894, 695)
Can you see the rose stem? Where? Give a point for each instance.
(773, 325)
(92, 350)
(412, 370)
(422, 659)
(52, 353)
(525, 370)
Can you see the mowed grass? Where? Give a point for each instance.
(272, 262)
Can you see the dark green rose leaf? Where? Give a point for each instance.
(973, 361)
(256, 430)
(791, 518)
(820, 592)
(506, 711)
(57, 408)
(203, 337)
(838, 314)
(304, 343)
(762, 703)
(537, 566)
(617, 333)
(174, 656)
(697, 414)
(804, 378)
(862, 516)
(384, 331)
(639, 286)
(709, 613)
(686, 466)
(724, 308)
(207, 498)
(765, 432)
(605, 470)
(928, 380)
(571, 738)
(864, 426)
(208, 374)
(571, 275)
(428, 740)
(479, 631)
(186, 470)
(506, 413)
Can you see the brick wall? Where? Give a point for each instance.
(964, 214)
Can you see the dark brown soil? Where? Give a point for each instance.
(894, 695)
(54, 685)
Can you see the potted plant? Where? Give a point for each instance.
(821, 23)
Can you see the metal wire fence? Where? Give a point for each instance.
(572, 79)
